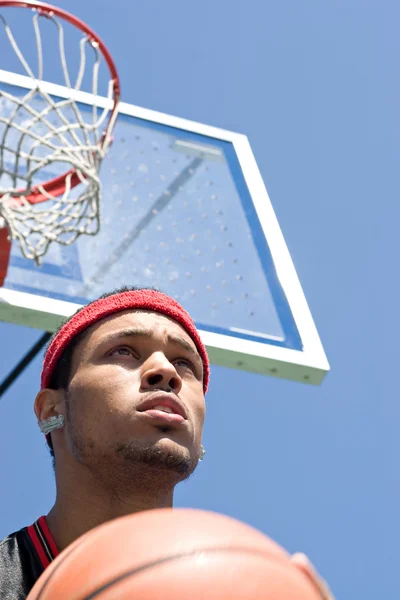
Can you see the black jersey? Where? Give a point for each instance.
(24, 555)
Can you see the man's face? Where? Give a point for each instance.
(136, 395)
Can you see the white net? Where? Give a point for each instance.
(42, 135)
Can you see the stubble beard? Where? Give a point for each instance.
(154, 456)
(132, 463)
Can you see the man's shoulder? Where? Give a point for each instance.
(19, 567)
(10, 544)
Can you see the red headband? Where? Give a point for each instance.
(140, 299)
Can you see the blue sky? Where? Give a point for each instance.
(315, 87)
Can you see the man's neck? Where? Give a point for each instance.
(81, 507)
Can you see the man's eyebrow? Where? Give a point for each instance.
(129, 332)
(147, 333)
(177, 339)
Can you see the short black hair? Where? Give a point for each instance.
(61, 375)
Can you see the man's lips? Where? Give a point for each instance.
(163, 417)
(155, 404)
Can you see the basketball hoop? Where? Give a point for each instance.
(37, 212)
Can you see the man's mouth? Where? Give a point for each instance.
(161, 415)
(165, 409)
(166, 403)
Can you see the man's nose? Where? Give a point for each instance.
(160, 373)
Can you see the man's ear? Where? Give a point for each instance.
(49, 403)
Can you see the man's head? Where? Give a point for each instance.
(128, 372)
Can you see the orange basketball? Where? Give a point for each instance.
(175, 554)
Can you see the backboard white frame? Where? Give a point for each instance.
(308, 365)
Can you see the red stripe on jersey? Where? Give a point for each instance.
(38, 546)
(49, 538)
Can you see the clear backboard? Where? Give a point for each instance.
(184, 209)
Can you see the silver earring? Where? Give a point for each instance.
(56, 422)
(202, 452)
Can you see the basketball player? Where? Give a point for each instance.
(122, 406)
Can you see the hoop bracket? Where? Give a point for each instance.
(5, 249)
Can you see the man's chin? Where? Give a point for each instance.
(164, 455)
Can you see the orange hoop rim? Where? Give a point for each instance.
(55, 187)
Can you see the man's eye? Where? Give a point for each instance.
(184, 362)
(121, 351)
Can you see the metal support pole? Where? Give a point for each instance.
(24, 362)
